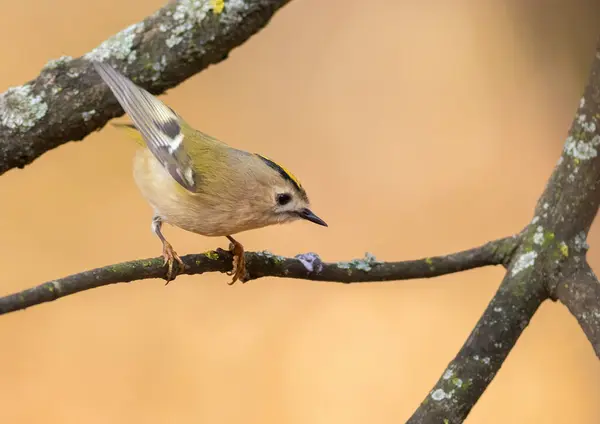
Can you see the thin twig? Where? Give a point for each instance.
(264, 264)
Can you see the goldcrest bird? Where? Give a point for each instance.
(198, 183)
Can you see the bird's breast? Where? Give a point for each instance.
(209, 213)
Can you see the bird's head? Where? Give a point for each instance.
(284, 198)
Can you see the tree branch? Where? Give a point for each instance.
(581, 294)
(552, 247)
(468, 375)
(264, 264)
(68, 100)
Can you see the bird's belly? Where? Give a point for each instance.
(178, 207)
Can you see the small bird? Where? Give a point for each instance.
(198, 183)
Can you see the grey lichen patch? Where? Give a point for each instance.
(538, 237)
(485, 360)
(88, 115)
(236, 5)
(526, 260)
(55, 286)
(56, 63)
(591, 315)
(367, 262)
(73, 73)
(364, 264)
(271, 257)
(440, 394)
(233, 9)
(451, 385)
(311, 261)
(158, 68)
(580, 242)
(187, 14)
(583, 141)
(457, 382)
(585, 124)
(21, 109)
(119, 46)
(543, 237)
(582, 150)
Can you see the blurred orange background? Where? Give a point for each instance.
(417, 127)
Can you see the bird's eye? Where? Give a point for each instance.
(283, 199)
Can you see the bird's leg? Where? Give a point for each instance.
(169, 254)
(239, 262)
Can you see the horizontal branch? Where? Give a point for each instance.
(581, 295)
(264, 264)
(68, 100)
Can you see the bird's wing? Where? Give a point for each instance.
(159, 125)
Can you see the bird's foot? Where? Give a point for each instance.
(239, 262)
(170, 256)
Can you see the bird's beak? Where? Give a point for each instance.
(310, 216)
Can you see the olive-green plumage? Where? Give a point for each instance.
(196, 182)
(236, 191)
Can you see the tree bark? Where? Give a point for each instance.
(307, 266)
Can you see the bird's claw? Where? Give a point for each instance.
(170, 257)
(239, 263)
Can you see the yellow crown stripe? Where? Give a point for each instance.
(282, 171)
